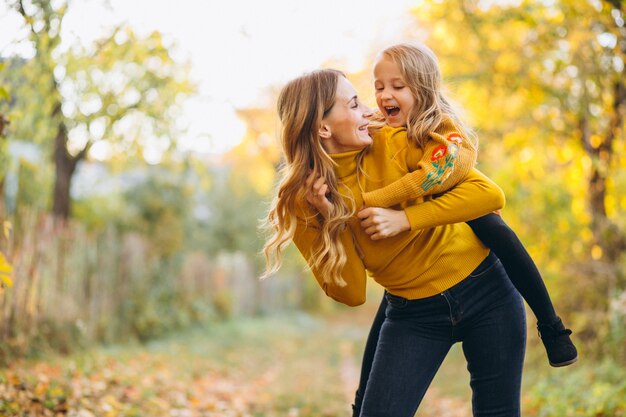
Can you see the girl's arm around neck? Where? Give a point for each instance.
(473, 197)
(353, 293)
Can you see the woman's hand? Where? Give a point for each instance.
(316, 195)
(380, 223)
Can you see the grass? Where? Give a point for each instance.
(275, 366)
(293, 365)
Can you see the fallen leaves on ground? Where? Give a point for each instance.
(251, 368)
(147, 385)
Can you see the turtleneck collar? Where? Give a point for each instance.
(346, 163)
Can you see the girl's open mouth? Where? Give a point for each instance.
(392, 110)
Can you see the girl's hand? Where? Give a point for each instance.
(380, 223)
(316, 195)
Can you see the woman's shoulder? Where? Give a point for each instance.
(390, 136)
(390, 143)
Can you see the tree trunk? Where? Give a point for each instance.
(65, 165)
(2, 210)
(3, 122)
(2, 199)
(607, 235)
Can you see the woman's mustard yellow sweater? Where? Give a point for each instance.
(439, 251)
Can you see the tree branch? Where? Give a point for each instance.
(617, 118)
(4, 121)
(100, 45)
(585, 137)
(21, 10)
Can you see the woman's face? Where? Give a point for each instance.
(344, 127)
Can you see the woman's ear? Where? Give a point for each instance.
(324, 131)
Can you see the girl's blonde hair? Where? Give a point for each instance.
(419, 67)
(302, 104)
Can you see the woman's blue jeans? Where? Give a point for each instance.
(484, 312)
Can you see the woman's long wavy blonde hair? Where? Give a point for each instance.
(302, 104)
(419, 67)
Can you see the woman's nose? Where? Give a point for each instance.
(367, 112)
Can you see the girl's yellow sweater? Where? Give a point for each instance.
(439, 251)
(446, 159)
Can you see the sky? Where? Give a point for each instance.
(238, 49)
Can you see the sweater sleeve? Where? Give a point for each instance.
(306, 239)
(475, 196)
(446, 160)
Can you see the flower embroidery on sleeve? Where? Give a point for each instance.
(453, 149)
(455, 138)
(439, 152)
(442, 160)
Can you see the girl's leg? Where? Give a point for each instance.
(368, 356)
(414, 340)
(519, 266)
(525, 276)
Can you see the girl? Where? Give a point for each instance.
(410, 102)
(442, 284)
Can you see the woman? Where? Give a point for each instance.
(442, 284)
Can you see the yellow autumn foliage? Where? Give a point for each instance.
(6, 271)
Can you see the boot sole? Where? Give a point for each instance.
(560, 364)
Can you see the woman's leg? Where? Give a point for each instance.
(414, 340)
(495, 358)
(368, 356)
(490, 323)
(525, 276)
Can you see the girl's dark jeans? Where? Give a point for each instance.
(484, 312)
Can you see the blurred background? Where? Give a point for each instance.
(138, 153)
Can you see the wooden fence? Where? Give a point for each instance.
(72, 286)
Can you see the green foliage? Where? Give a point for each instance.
(158, 208)
(125, 90)
(4, 94)
(233, 218)
(34, 185)
(31, 102)
(120, 93)
(122, 79)
(584, 391)
(98, 212)
(4, 156)
(4, 164)
(152, 310)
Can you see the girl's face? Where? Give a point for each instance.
(344, 127)
(393, 96)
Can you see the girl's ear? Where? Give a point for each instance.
(324, 131)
